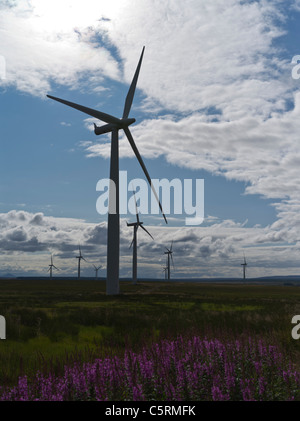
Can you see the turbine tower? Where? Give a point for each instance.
(169, 253)
(136, 226)
(51, 266)
(96, 270)
(113, 125)
(244, 267)
(79, 259)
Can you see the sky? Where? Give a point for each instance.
(218, 99)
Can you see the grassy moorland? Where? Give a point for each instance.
(55, 323)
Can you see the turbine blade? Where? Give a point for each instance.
(146, 231)
(131, 244)
(55, 267)
(130, 95)
(139, 158)
(107, 118)
(171, 246)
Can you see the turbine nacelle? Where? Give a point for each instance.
(134, 224)
(127, 122)
(107, 128)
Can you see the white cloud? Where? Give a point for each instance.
(198, 55)
(53, 41)
(265, 154)
(296, 5)
(215, 250)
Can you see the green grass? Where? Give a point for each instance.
(228, 307)
(50, 323)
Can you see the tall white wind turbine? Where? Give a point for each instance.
(113, 125)
(169, 254)
(133, 244)
(51, 266)
(80, 257)
(96, 270)
(244, 267)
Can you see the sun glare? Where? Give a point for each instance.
(56, 15)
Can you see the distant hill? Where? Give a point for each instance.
(289, 280)
(7, 275)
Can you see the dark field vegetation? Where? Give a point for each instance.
(55, 323)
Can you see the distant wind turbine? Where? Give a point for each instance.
(96, 270)
(165, 268)
(79, 259)
(51, 266)
(113, 125)
(244, 267)
(169, 253)
(133, 244)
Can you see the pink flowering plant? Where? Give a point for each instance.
(197, 369)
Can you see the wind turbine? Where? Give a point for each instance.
(79, 259)
(136, 226)
(51, 266)
(169, 253)
(244, 267)
(165, 268)
(96, 270)
(113, 125)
